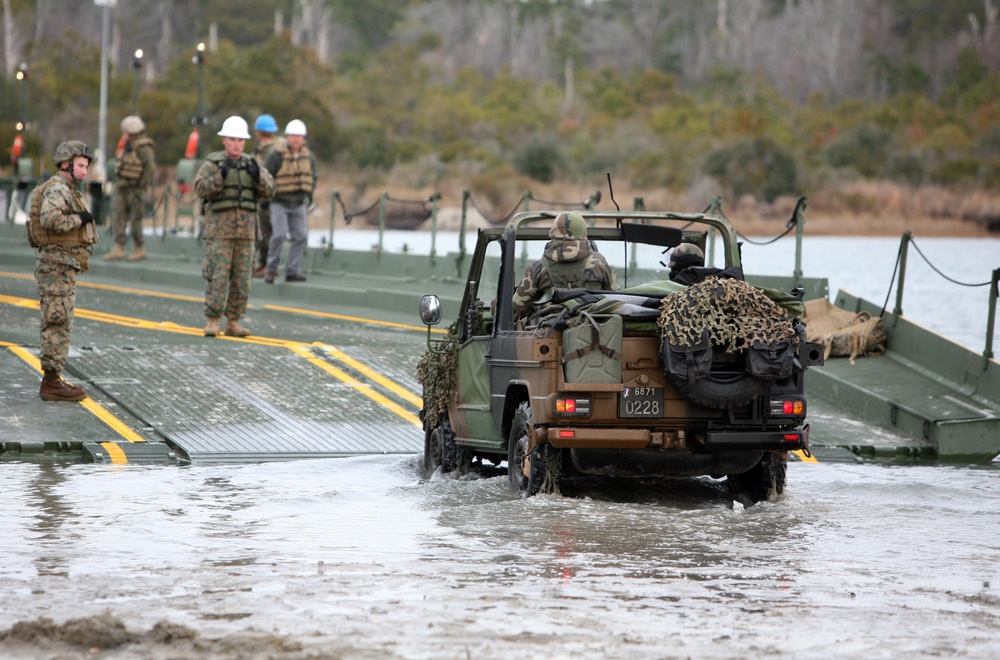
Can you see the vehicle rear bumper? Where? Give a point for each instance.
(757, 440)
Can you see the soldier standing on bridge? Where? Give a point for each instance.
(230, 183)
(62, 230)
(135, 166)
(265, 127)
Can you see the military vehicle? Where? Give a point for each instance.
(654, 380)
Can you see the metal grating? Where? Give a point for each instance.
(232, 401)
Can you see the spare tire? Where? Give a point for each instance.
(722, 340)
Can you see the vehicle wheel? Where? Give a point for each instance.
(537, 472)
(722, 391)
(439, 448)
(765, 481)
(432, 451)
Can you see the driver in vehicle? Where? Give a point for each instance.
(568, 262)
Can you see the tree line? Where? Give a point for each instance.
(765, 97)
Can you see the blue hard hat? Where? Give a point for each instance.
(266, 124)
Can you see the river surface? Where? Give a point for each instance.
(371, 558)
(863, 266)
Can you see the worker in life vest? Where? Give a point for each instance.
(135, 167)
(294, 170)
(61, 229)
(231, 183)
(265, 127)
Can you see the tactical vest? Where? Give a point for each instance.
(262, 150)
(39, 236)
(129, 166)
(238, 189)
(295, 174)
(569, 274)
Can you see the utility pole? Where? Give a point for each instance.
(102, 130)
(136, 66)
(22, 92)
(200, 119)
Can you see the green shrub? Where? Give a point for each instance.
(865, 148)
(758, 167)
(539, 158)
(905, 168)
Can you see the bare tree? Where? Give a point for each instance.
(9, 47)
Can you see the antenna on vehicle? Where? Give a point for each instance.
(611, 191)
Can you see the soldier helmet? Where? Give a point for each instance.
(295, 127)
(568, 226)
(133, 125)
(235, 127)
(69, 150)
(686, 254)
(266, 124)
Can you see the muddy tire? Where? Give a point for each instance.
(440, 450)
(535, 473)
(517, 451)
(765, 481)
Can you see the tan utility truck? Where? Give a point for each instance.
(656, 379)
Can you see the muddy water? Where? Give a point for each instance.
(366, 558)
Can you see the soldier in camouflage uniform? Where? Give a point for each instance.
(568, 262)
(265, 127)
(230, 183)
(62, 231)
(682, 257)
(135, 166)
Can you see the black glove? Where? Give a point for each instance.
(86, 218)
(253, 167)
(224, 168)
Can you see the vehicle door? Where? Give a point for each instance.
(473, 420)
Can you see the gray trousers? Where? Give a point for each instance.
(289, 220)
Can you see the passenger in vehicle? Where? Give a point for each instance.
(682, 257)
(687, 266)
(568, 262)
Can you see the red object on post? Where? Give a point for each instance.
(192, 145)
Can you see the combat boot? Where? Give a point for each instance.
(138, 254)
(234, 329)
(212, 327)
(259, 271)
(54, 388)
(117, 252)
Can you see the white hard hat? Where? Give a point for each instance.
(235, 127)
(295, 127)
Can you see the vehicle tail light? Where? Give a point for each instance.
(791, 437)
(789, 407)
(567, 433)
(572, 406)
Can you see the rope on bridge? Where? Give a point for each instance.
(398, 212)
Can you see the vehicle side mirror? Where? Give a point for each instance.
(430, 309)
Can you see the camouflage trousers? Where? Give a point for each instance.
(57, 295)
(227, 270)
(264, 235)
(128, 210)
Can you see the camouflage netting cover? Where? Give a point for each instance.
(438, 373)
(736, 315)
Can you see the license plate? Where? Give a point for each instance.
(640, 402)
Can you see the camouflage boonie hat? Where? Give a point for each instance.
(568, 226)
(683, 249)
(69, 149)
